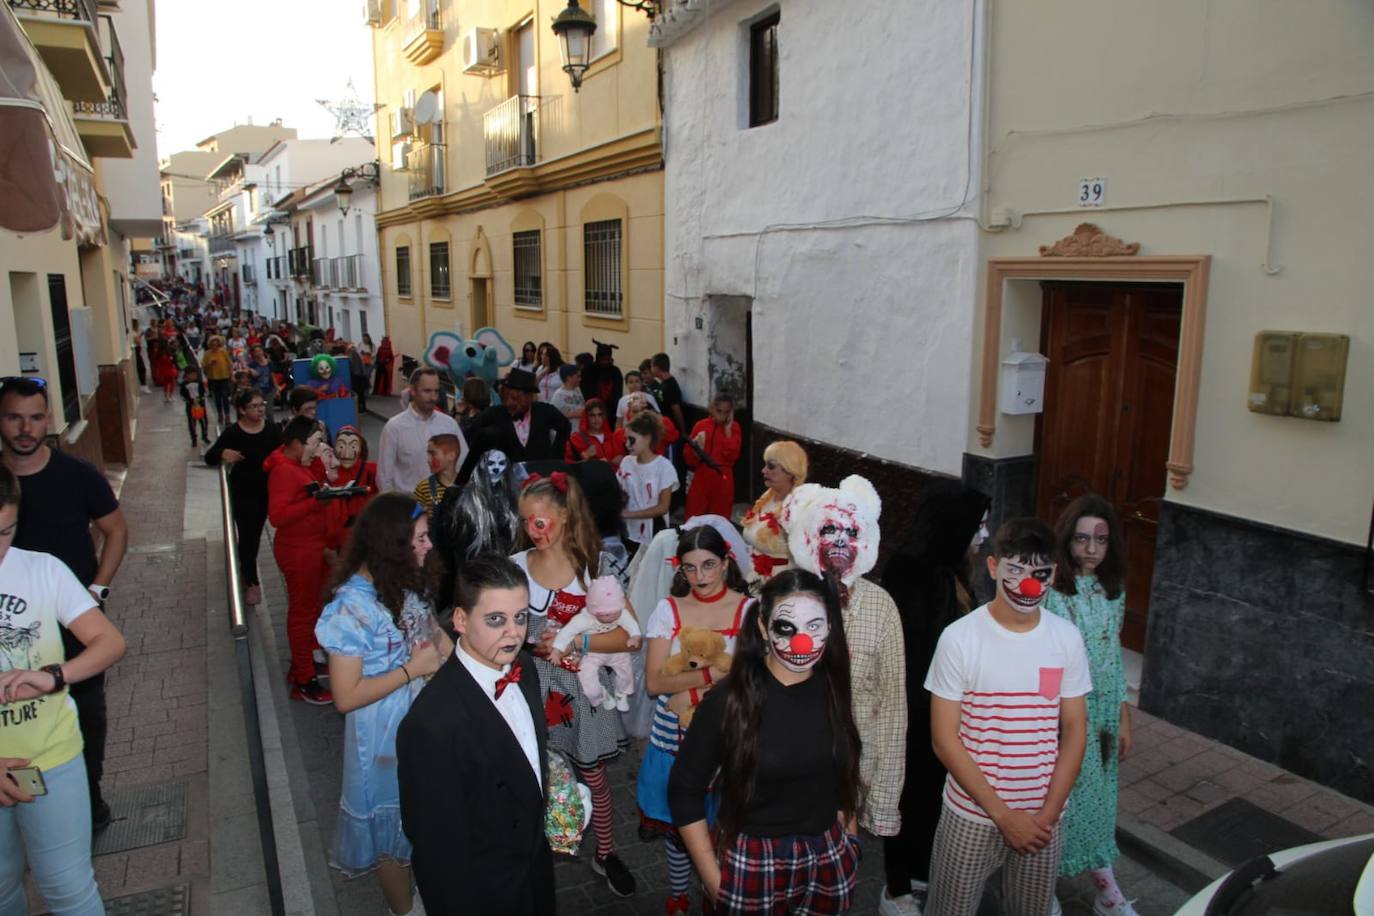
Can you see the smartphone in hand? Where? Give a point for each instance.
(29, 780)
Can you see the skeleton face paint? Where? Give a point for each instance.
(493, 631)
(798, 632)
(1023, 581)
(496, 463)
(1091, 540)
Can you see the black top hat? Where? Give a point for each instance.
(521, 380)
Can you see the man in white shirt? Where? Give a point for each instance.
(402, 458)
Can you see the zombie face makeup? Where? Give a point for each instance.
(1022, 581)
(837, 546)
(833, 531)
(980, 537)
(494, 630)
(496, 463)
(798, 632)
(543, 522)
(1091, 540)
(705, 572)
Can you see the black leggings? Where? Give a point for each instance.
(250, 514)
(220, 389)
(191, 425)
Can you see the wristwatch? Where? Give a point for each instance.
(59, 680)
(101, 592)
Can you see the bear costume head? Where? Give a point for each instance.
(834, 531)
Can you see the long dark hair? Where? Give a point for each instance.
(708, 539)
(1111, 572)
(745, 691)
(381, 542)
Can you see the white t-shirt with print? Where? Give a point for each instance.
(1008, 686)
(641, 484)
(568, 400)
(37, 592)
(624, 404)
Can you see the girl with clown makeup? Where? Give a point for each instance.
(709, 592)
(562, 556)
(781, 726)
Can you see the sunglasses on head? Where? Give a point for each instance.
(19, 383)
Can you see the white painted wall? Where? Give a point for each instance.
(1184, 107)
(133, 186)
(862, 333)
(324, 210)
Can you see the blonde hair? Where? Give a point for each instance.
(789, 456)
(580, 541)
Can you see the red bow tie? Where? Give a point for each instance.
(510, 677)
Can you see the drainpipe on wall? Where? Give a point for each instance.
(563, 268)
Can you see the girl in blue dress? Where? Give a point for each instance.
(383, 642)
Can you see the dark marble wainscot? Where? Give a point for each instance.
(1263, 638)
(1010, 484)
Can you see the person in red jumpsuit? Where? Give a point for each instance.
(712, 491)
(354, 470)
(301, 525)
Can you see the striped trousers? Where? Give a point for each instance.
(965, 855)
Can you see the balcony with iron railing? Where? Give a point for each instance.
(348, 272)
(64, 32)
(424, 34)
(300, 259)
(250, 277)
(426, 167)
(511, 134)
(321, 273)
(104, 126)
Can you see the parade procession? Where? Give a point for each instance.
(900, 457)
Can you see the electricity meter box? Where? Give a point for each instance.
(1023, 381)
(1299, 375)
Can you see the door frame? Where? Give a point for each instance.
(1192, 270)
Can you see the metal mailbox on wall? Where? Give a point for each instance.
(1023, 381)
(1299, 375)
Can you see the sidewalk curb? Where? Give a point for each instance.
(1166, 855)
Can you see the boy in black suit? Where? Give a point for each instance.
(471, 760)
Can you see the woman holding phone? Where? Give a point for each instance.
(45, 804)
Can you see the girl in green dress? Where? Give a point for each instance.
(1090, 590)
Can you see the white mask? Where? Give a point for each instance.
(496, 462)
(980, 537)
(798, 632)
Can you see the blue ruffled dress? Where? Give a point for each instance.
(356, 624)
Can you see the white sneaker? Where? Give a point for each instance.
(904, 905)
(1124, 908)
(622, 703)
(1055, 908)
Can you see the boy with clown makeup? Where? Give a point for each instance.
(1009, 722)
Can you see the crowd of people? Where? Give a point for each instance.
(529, 579)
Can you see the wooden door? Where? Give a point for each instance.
(1109, 401)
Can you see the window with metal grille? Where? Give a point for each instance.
(601, 242)
(529, 280)
(403, 270)
(438, 270)
(763, 71)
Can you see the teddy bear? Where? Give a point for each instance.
(700, 648)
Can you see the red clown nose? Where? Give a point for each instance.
(801, 644)
(1030, 588)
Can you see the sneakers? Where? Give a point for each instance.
(1055, 908)
(312, 692)
(253, 595)
(1122, 908)
(905, 905)
(679, 904)
(618, 877)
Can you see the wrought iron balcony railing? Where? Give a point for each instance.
(511, 133)
(320, 274)
(426, 167)
(80, 10)
(112, 108)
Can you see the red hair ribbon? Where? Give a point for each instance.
(558, 480)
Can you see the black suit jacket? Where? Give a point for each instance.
(470, 804)
(493, 428)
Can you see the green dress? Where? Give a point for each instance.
(1090, 819)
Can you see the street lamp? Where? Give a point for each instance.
(271, 235)
(574, 28)
(343, 191)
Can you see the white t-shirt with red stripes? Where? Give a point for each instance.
(1008, 686)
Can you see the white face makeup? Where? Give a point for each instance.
(496, 464)
(1023, 581)
(798, 632)
(1091, 540)
(980, 537)
(493, 631)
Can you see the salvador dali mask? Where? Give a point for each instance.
(798, 632)
(1023, 581)
(348, 445)
(834, 530)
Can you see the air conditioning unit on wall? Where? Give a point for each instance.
(399, 122)
(482, 51)
(400, 152)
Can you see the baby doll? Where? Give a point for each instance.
(604, 612)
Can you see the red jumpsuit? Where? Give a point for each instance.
(301, 527)
(713, 492)
(342, 512)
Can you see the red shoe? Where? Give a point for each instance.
(312, 692)
(679, 904)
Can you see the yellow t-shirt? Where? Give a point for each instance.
(37, 592)
(217, 364)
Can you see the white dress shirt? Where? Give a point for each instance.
(402, 461)
(511, 705)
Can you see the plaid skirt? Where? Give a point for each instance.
(801, 874)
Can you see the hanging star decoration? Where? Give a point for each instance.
(351, 115)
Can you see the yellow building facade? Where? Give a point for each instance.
(506, 198)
